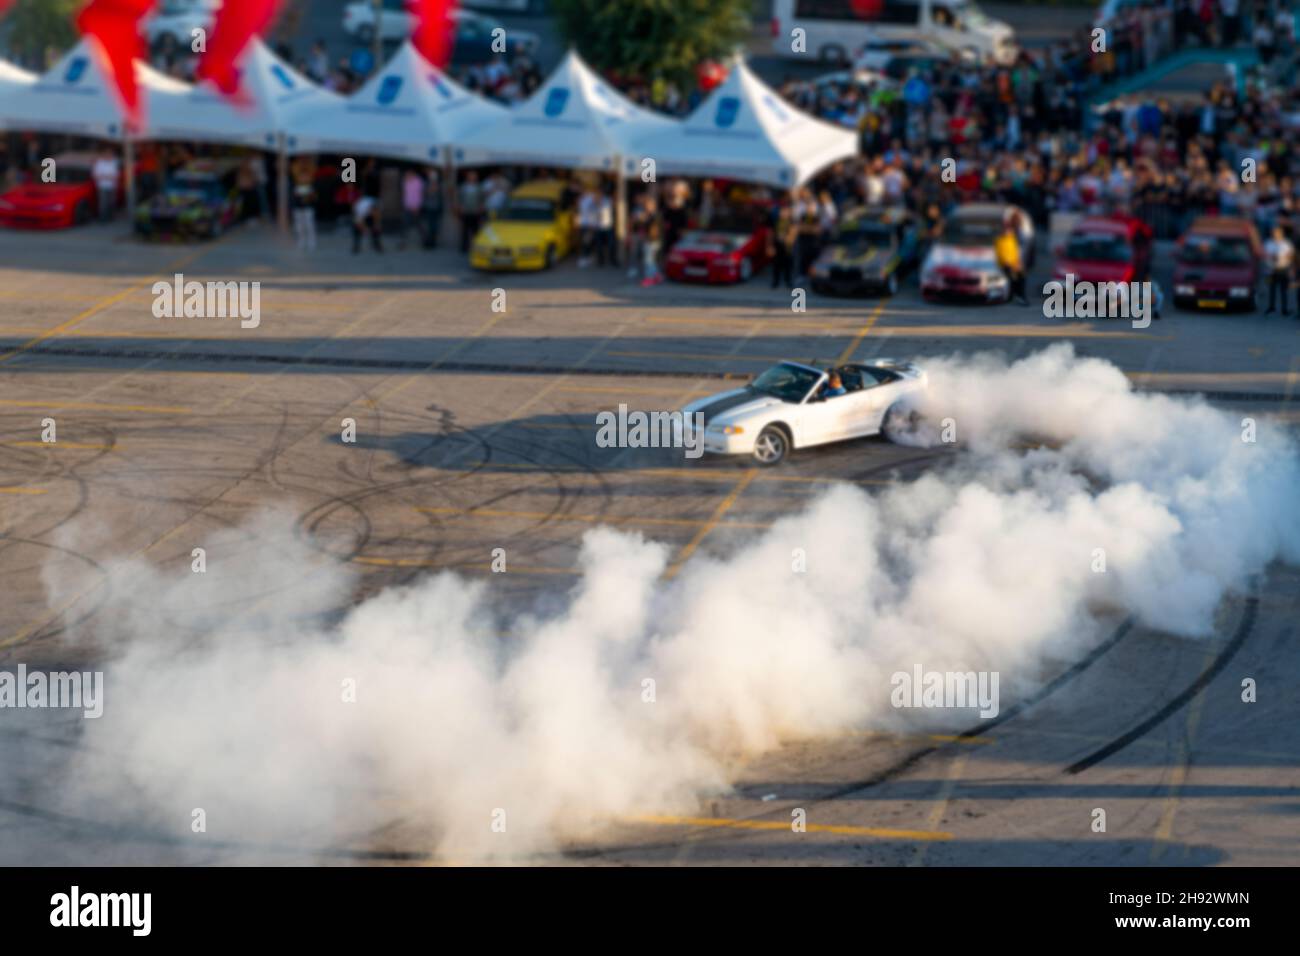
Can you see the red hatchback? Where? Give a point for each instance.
(731, 249)
(69, 201)
(1217, 265)
(1106, 249)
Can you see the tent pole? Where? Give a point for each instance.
(282, 185)
(128, 171)
(620, 209)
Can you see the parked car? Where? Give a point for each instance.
(474, 31)
(834, 28)
(872, 249)
(174, 21)
(1217, 265)
(1106, 249)
(199, 201)
(732, 248)
(535, 229)
(70, 200)
(962, 264)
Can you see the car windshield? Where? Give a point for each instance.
(520, 209)
(1098, 247)
(790, 383)
(1216, 251)
(182, 187)
(971, 232)
(867, 236)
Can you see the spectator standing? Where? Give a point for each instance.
(588, 225)
(431, 209)
(469, 206)
(412, 203)
(1007, 249)
(107, 172)
(780, 248)
(1279, 253)
(605, 230)
(365, 220)
(650, 252)
(304, 206)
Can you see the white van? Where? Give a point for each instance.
(834, 30)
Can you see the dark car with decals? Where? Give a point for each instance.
(872, 250)
(199, 201)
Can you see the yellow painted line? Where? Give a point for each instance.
(862, 334)
(462, 566)
(1210, 378)
(617, 389)
(940, 809)
(1178, 775)
(98, 307)
(921, 738)
(887, 833)
(22, 491)
(723, 507)
(701, 356)
(97, 406)
(586, 519)
(76, 446)
(685, 474)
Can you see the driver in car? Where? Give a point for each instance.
(833, 386)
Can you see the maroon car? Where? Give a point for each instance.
(1217, 265)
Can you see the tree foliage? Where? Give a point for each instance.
(645, 38)
(40, 27)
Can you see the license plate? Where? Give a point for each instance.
(1211, 303)
(697, 270)
(502, 260)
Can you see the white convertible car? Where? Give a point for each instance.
(788, 407)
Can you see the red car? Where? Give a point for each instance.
(1106, 249)
(731, 249)
(69, 201)
(1217, 265)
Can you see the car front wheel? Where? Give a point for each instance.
(771, 446)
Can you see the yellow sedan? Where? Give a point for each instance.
(533, 230)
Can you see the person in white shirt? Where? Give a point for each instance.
(107, 173)
(1279, 253)
(605, 230)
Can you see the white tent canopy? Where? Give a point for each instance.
(75, 96)
(408, 110)
(274, 92)
(744, 130)
(575, 120)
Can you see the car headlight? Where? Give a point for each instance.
(1239, 292)
(727, 429)
(1184, 290)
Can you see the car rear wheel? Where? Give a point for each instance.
(771, 446)
(901, 424)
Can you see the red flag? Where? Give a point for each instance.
(433, 29)
(114, 26)
(238, 21)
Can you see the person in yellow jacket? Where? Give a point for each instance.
(1007, 248)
